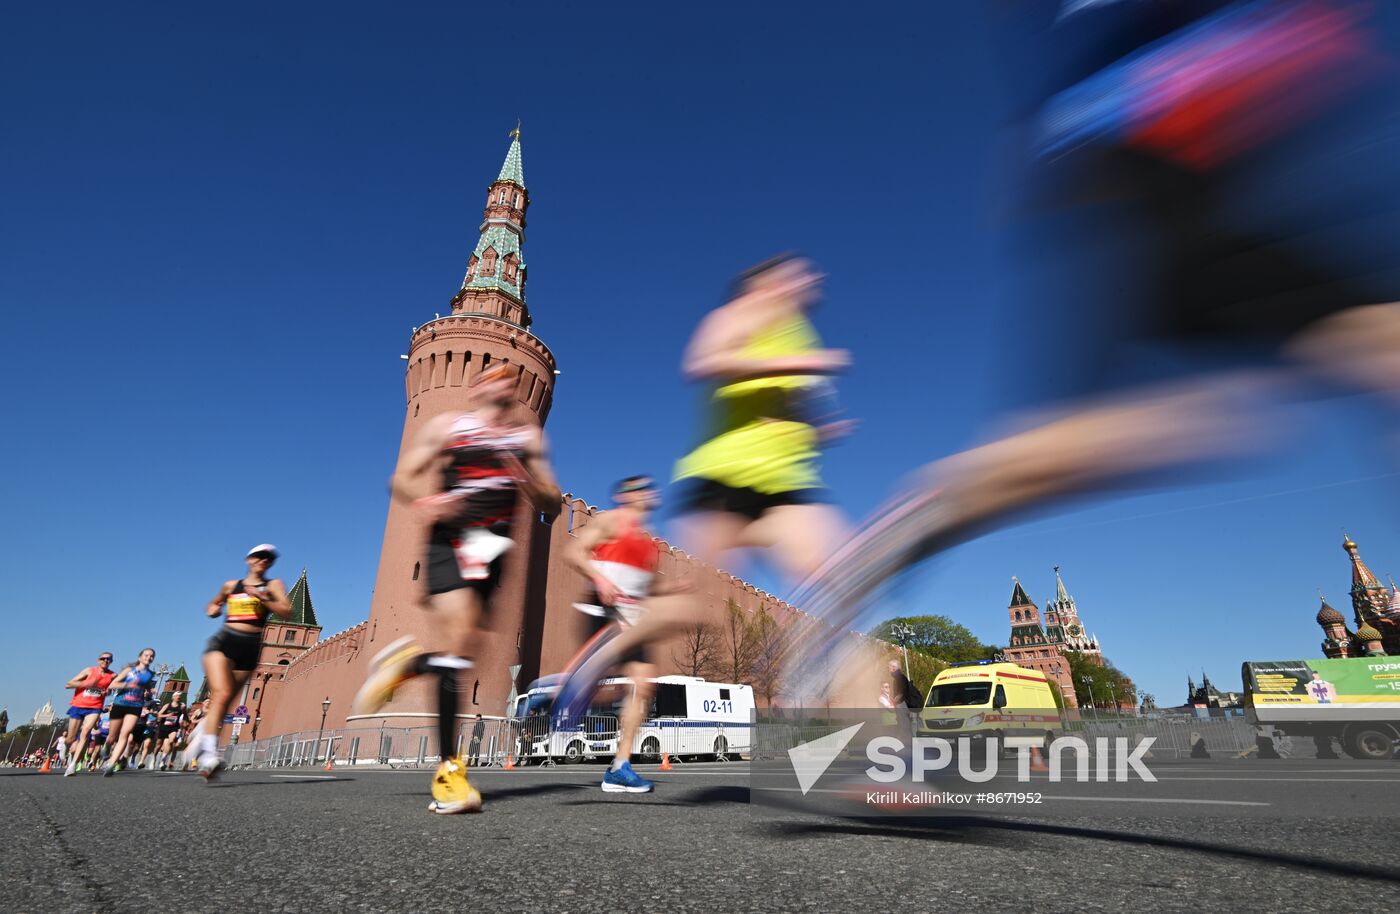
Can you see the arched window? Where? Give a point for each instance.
(417, 567)
(501, 197)
(255, 694)
(517, 199)
(475, 685)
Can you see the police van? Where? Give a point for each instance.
(689, 716)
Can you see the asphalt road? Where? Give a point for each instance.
(549, 840)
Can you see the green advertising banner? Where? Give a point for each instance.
(1323, 682)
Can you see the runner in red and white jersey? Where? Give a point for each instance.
(620, 558)
(465, 474)
(89, 694)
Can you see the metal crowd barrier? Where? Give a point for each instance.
(497, 743)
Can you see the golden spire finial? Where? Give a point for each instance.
(516, 132)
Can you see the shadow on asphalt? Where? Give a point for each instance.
(288, 782)
(710, 796)
(954, 828)
(505, 793)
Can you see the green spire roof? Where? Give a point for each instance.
(1018, 595)
(300, 597)
(1061, 595)
(179, 675)
(510, 169)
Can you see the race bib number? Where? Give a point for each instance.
(475, 550)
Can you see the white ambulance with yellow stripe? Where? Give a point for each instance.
(983, 698)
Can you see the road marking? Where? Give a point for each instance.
(307, 777)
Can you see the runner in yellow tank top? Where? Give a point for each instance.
(754, 481)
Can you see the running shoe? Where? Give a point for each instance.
(624, 780)
(210, 766)
(110, 769)
(389, 669)
(452, 792)
(71, 770)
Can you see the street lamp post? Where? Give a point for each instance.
(1089, 688)
(262, 693)
(325, 709)
(903, 634)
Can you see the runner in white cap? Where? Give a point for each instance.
(231, 655)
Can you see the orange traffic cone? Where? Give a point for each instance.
(47, 761)
(665, 761)
(510, 762)
(330, 764)
(1038, 760)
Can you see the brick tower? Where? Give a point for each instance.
(489, 324)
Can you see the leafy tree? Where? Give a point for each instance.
(1099, 686)
(938, 637)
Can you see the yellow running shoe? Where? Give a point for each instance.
(389, 669)
(452, 792)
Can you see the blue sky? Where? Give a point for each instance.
(221, 226)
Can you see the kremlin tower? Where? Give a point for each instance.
(1041, 646)
(489, 324)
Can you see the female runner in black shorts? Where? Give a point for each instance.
(231, 654)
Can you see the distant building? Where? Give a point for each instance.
(4, 721)
(1375, 609)
(1041, 646)
(44, 716)
(1207, 696)
(179, 681)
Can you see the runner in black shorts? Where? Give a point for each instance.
(231, 655)
(620, 558)
(170, 720)
(465, 474)
(133, 686)
(147, 742)
(1202, 180)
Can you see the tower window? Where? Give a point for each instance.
(517, 200)
(501, 198)
(255, 693)
(417, 567)
(476, 684)
(291, 637)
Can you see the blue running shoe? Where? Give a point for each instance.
(625, 780)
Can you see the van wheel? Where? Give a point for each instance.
(573, 753)
(1369, 743)
(721, 749)
(651, 749)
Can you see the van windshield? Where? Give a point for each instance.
(958, 694)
